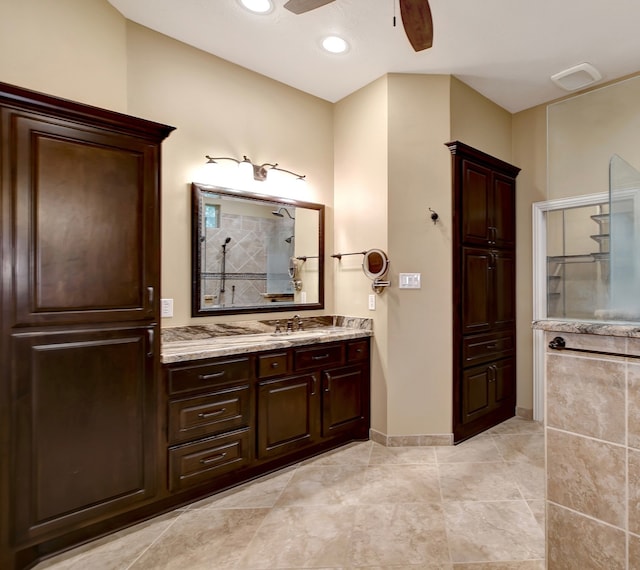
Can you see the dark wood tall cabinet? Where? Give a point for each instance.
(80, 320)
(484, 280)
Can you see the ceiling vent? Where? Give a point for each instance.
(576, 77)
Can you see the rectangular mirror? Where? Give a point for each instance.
(254, 254)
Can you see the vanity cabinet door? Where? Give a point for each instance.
(83, 423)
(344, 402)
(85, 218)
(288, 414)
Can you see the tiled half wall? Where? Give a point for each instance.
(593, 453)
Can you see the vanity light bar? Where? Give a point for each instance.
(260, 171)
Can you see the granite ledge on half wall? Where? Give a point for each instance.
(631, 330)
(194, 342)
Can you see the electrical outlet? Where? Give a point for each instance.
(372, 302)
(166, 308)
(303, 296)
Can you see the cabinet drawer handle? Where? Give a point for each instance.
(492, 346)
(321, 357)
(212, 414)
(213, 458)
(275, 364)
(211, 376)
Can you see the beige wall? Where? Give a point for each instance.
(420, 385)
(585, 130)
(381, 148)
(530, 154)
(480, 123)
(408, 117)
(223, 110)
(73, 49)
(361, 220)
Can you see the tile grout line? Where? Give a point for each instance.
(153, 542)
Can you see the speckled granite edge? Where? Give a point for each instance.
(182, 344)
(195, 332)
(589, 327)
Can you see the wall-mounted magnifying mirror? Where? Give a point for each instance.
(375, 265)
(255, 254)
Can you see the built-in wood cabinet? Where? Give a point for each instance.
(484, 278)
(232, 418)
(79, 348)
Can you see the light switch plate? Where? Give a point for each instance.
(166, 308)
(409, 280)
(372, 302)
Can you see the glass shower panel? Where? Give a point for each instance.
(624, 200)
(577, 261)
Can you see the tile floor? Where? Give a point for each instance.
(475, 506)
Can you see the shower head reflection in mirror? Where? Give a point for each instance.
(273, 259)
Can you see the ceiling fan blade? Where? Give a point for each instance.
(302, 6)
(416, 19)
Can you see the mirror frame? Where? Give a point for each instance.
(196, 253)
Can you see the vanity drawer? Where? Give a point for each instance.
(358, 350)
(273, 364)
(319, 356)
(200, 462)
(485, 347)
(223, 410)
(198, 377)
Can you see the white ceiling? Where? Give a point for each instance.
(505, 49)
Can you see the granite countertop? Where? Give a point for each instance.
(590, 327)
(182, 344)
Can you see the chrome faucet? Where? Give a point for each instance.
(297, 323)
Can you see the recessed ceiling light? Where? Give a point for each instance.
(257, 6)
(335, 44)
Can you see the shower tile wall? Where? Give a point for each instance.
(246, 259)
(593, 454)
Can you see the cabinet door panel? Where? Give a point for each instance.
(85, 218)
(476, 399)
(84, 425)
(288, 414)
(503, 295)
(505, 382)
(476, 203)
(342, 399)
(504, 211)
(477, 284)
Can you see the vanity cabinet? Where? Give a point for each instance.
(208, 420)
(484, 278)
(232, 418)
(79, 349)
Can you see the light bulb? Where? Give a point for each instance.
(245, 168)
